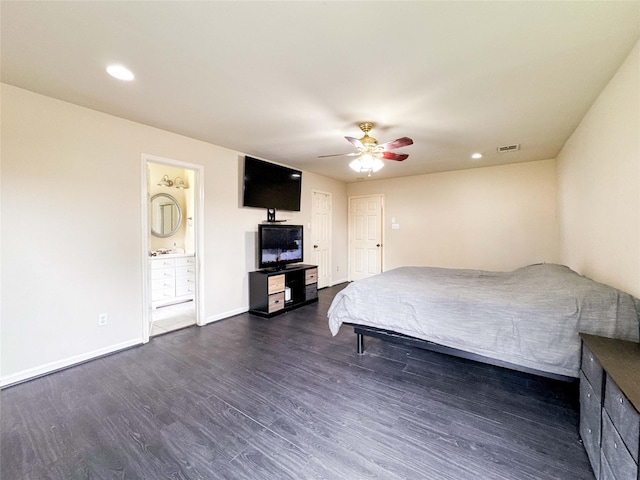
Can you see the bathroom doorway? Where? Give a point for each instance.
(172, 219)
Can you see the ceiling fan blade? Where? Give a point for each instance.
(353, 154)
(397, 143)
(356, 143)
(395, 156)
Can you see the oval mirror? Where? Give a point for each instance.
(166, 215)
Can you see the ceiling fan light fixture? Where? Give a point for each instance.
(356, 165)
(366, 163)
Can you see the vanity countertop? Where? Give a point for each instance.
(171, 255)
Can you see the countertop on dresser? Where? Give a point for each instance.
(621, 360)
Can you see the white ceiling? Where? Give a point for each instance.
(286, 81)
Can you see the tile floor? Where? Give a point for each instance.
(173, 317)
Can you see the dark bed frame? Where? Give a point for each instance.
(361, 330)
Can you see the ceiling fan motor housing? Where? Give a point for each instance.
(367, 141)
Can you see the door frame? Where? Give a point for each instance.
(349, 232)
(330, 231)
(198, 200)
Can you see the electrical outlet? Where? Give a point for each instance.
(102, 319)
(337, 268)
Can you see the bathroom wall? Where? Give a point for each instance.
(184, 237)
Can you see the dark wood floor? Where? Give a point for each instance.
(253, 398)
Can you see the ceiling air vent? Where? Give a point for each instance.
(508, 148)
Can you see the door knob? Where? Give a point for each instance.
(315, 246)
(378, 245)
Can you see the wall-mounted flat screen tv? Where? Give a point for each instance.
(279, 245)
(267, 185)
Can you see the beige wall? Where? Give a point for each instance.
(599, 184)
(494, 218)
(72, 235)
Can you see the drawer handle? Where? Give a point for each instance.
(621, 399)
(277, 301)
(589, 396)
(615, 445)
(589, 430)
(591, 359)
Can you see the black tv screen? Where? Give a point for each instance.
(267, 185)
(279, 245)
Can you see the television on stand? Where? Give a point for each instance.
(279, 245)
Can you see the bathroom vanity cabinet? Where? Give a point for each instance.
(173, 279)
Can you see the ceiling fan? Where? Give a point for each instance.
(370, 154)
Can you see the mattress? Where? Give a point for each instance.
(530, 317)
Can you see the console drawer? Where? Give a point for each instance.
(615, 452)
(311, 276)
(310, 292)
(276, 302)
(592, 370)
(623, 415)
(275, 284)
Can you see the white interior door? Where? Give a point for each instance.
(321, 236)
(365, 236)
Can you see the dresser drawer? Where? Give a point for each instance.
(185, 261)
(590, 409)
(623, 415)
(163, 263)
(276, 302)
(275, 284)
(592, 370)
(615, 452)
(311, 276)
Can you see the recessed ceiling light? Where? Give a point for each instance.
(476, 156)
(120, 72)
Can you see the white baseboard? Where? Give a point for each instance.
(338, 281)
(31, 373)
(222, 316)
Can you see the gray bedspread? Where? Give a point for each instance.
(529, 317)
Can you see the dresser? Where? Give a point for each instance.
(276, 291)
(610, 406)
(173, 279)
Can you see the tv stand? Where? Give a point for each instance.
(272, 292)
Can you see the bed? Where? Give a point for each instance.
(527, 319)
